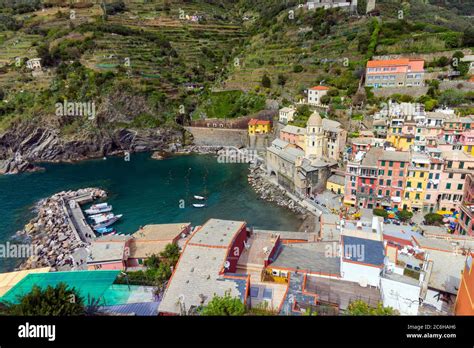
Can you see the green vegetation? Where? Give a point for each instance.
(360, 307)
(159, 269)
(230, 104)
(433, 219)
(380, 212)
(404, 215)
(301, 116)
(224, 306)
(51, 301)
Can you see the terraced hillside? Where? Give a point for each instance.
(297, 48)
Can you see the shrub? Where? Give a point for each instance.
(404, 215)
(266, 82)
(297, 68)
(433, 219)
(224, 306)
(380, 212)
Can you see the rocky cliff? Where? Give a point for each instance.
(26, 144)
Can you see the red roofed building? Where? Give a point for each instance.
(316, 93)
(395, 73)
(259, 126)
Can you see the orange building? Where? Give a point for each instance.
(465, 299)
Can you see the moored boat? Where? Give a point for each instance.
(198, 205)
(101, 217)
(201, 198)
(98, 209)
(105, 230)
(107, 222)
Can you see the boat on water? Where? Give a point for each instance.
(98, 209)
(198, 205)
(101, 217)
(107, 222)
(105, 230)
(200, 198)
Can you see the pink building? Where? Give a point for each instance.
(109, 253)
(466, 214)
(433, 193)
(395, 73)
(293, 135)
(457, 165)
(392, 174)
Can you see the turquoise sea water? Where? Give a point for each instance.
(146, 191)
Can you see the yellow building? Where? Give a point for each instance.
(259, 126)
(336, 184)
(468, 149)
(415, 188)
(401, 142)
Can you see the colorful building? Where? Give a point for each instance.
(109, 253)
(416, 182)
(466, 209)
(336, 183)
(259, 126)
(395, 73)
(153, 239)
(465, 298)
(392, 175)
(293, 135)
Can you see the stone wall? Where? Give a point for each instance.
(465, 86)
(388, 91)
(219, 136)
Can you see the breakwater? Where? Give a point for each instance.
(55, 233)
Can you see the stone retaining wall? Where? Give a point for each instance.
(219, 137)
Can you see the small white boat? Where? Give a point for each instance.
(198, 205)
(201, 198)
(98, 209)
(106, 223)
(101, 217)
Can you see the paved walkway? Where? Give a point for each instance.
(79, 222)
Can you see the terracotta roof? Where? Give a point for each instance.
(320, 88)
(391, 62)
(254, 122)
(380, 63)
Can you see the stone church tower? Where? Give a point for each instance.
(314, 136)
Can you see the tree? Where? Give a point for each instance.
(153, 261)
(325, 99)
(359, 307)
(433, 219)
(52, 301)
(224, 306)
(468, 37)
(171, 254)
(451, 97)
(430, 104)
(266, 82)
(297, 68)
(282, 79)
(380, 212)
(404, 215)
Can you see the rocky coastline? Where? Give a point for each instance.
(272, 193)
(52, 239)
(25, 145)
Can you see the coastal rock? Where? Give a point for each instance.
(52, 238)
(26, 143)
